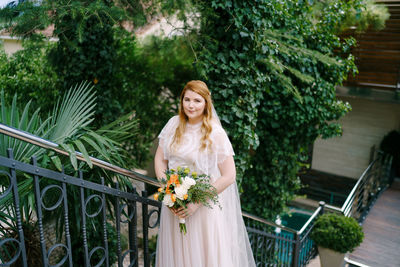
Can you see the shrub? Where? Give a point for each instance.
(337, 232)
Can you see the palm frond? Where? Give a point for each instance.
(10, 116)
(75, 112)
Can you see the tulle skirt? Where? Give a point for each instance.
(215, 237)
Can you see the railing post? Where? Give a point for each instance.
(296, 250)
(118, 226)
(372, 154)
(66, 221)
(322, 205)
(132, 228)
(145, 224)
(38, 202)
(14, 186)
(103, 201)
(83, 218)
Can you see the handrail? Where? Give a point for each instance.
(352, 193)
(315, 214)
(330, 207)
(264, 221)
(347, 207)
(35, 140)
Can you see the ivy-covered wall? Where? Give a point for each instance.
(272, 67)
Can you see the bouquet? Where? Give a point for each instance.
(183, 187)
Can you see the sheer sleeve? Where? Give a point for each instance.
(222, 145)
(166, 135)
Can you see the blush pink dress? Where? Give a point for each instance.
(215, 237)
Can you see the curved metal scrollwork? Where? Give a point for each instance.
(58, 203)
(157, 211)
(102, 258)
(63, 260)
(126, 253)
(8, 190)
(260, 241)
(17, 253)
(97, 212)
(131, 214)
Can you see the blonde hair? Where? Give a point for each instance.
(200, 88)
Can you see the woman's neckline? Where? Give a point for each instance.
(194, 125)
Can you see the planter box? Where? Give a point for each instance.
(330, 258)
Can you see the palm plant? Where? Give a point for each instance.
(68, 125)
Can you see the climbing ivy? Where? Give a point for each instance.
(273, 70)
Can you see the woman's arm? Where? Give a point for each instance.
(228, 174)
(160, 164)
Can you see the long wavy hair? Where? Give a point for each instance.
(200, 88)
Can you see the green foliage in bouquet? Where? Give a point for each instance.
(337, 232)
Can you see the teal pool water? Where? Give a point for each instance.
(296, 218)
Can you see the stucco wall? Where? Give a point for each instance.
(363, 127)
(11, 45)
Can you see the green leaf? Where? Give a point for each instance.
(85, 154)
(72, 156)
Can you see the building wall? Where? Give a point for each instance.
(11, 45)
(363, 127)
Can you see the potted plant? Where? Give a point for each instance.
(336, 234)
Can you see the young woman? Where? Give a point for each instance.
(195, 139)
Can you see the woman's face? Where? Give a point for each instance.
(193, 106)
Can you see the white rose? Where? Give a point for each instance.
(168, 200)
(188, 182)
(180, 192)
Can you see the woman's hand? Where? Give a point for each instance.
(184, 213)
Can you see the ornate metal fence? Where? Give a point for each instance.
(272, 244)
(277, 245)
(13, 250)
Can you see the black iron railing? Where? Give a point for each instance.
(272, 244)
(275, 246)
(11, 249)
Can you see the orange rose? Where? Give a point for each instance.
(173, 197)
(185, 196)
(160, 189)
(156, 196)
(174, 179)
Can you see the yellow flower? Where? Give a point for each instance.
(194, 174)
(95, 81)
(173, 197)
(185, 196)
(187, 170)
(156, 196)
(179, 168)
(160, 189)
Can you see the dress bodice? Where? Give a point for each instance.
(189, 153)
